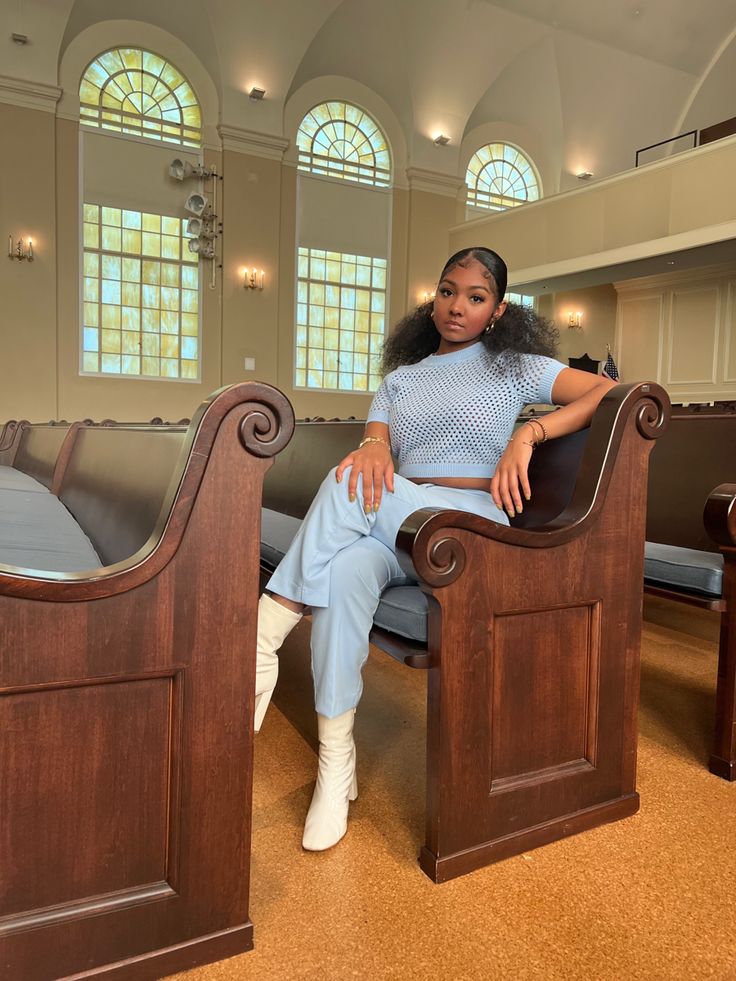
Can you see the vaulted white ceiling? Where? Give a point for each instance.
(582, 83)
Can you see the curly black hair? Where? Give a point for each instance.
(520, 329)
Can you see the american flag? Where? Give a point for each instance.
(609, 368)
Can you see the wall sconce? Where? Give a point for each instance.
(18, 251)
(427, 296)
(253, 279)
(256, 93)
(575, 320)
(441, 140)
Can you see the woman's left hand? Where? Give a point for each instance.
(510, 483)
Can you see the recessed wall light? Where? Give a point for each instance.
(256, 93)
(441, 140)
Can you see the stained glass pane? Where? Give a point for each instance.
(137, 89)
(500, 176)
(334, 321)
(139, 321)
(340, 140)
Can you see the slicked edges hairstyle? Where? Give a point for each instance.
(520, 329)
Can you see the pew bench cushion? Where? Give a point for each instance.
(402, 610)
(683, 568)
(37, 532)
(12, 479)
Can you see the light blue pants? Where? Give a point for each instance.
(339, 563)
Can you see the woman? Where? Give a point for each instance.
(457, 372)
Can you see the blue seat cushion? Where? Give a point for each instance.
(12, 479)
(402, 610)
(37, 532)
(685, 568)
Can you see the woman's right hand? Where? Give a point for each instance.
(374, 462)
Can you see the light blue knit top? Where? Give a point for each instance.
(451, 415)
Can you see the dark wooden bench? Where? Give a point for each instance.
(691, 555)
(531, 634)
(126, 700)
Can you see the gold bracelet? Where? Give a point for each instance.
(372, 439)
(525, 442)
(545, 434)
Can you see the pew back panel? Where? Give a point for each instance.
(696, 454)
(116, 481)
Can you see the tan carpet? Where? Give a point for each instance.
(653, 896)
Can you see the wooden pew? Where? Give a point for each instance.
(533, 635)
(126, 700)
(690, 506)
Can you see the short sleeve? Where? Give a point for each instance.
(381, 404)
(534, 377)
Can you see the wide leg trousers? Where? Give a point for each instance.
(339, 563)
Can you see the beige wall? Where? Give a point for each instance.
(680, 330)
(598, 307)
(28, 346)
(39, 317)
(687, 200)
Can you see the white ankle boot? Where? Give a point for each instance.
(275, 623)
(327, 819)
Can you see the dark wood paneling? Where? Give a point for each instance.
(117, 791)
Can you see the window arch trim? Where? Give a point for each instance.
(338, 139)
(135, 92)
(500, 176)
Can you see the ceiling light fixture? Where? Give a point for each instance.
(441, 140)
(584, 175)
(256, 93)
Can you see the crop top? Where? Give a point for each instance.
(451, 415)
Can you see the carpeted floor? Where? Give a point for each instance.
(650, 897)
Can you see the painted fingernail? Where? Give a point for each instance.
(338, 478)
(519, 509)
(367, 508)
(352, 498)
(375, 507)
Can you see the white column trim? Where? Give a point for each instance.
(252, 142)
(434, 182)
(29, 95)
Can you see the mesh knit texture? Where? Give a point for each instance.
(451, 415)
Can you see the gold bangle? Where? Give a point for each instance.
(525, 442)
(372, 439)
(545, 434)
(535, 435)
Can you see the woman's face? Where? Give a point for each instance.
(464, 305)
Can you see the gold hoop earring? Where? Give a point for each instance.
(490, 327)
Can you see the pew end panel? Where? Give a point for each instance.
(720, 522)
(126, 736)
(534, 642)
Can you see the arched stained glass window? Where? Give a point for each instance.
(136, 92)
(500, 176)
(340, 140)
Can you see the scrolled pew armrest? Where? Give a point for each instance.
(427, 548)
(719, 515)
(265, 427)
